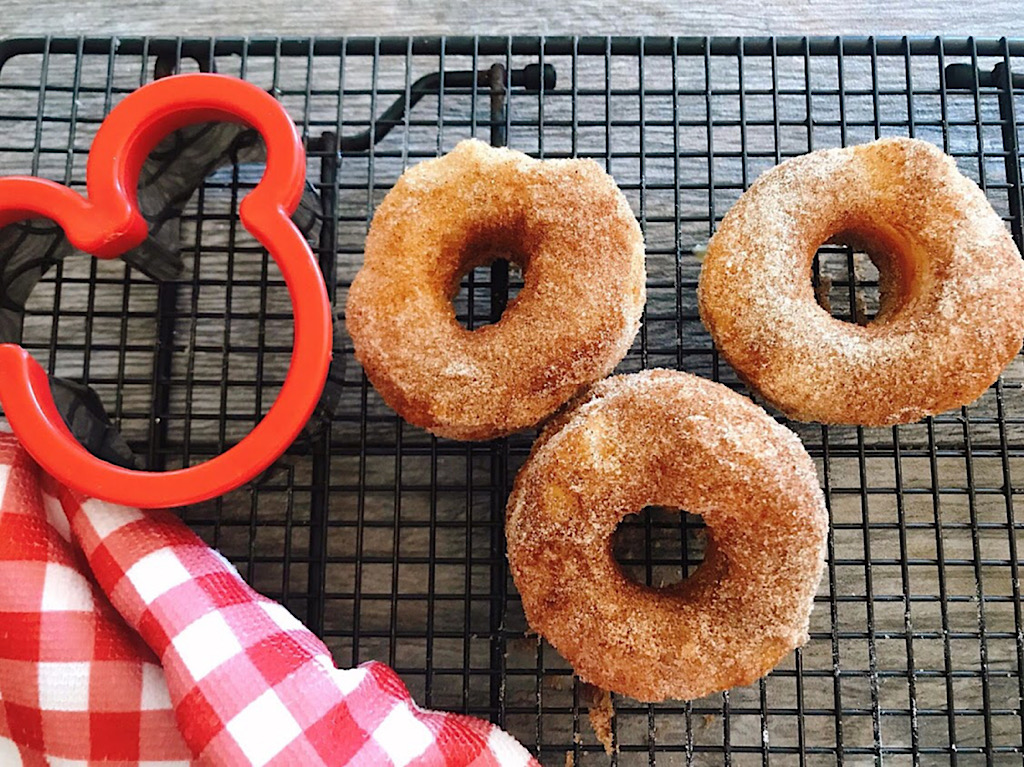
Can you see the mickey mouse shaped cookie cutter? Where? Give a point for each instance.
(107, 222)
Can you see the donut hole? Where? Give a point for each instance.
(862, 276)
(846, 284)
(488, 284)
(659, 547)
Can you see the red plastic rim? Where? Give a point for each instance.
(108, 222)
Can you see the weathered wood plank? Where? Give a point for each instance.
(353, 17)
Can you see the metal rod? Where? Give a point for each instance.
(499, 268)
(968, 77)
(496, 81)
(321, 445)
(530, 78)
(1006, 81)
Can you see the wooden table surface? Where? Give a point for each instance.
(747, 17)
(383, 17)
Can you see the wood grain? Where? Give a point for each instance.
(382, 509)
(388, 17)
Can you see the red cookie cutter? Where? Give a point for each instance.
(108, 222)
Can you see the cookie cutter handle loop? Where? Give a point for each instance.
(108, 222)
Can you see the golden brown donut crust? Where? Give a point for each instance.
(952, 313)
(669, 439)
(570, 228)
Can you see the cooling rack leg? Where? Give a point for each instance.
(166, 316)
(499, 449)
(499, 269)
(321, 446)
(962, 76)
(1004, 82)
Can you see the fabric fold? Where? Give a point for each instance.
(125, 637)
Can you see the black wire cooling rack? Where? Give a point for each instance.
(389, 542)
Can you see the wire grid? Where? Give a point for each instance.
(389, 542)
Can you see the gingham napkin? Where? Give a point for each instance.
(124, 639)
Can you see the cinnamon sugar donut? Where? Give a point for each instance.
(951, 287)
(669, 439)
(567, 225)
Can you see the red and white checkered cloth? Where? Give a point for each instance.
(124, 639)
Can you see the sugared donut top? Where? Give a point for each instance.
(952, 286)
(670, 439)
(570, 229)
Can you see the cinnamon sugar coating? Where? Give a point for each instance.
(568, 226)
(952, 286)
(669, 439)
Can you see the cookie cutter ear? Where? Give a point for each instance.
(108, 221)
